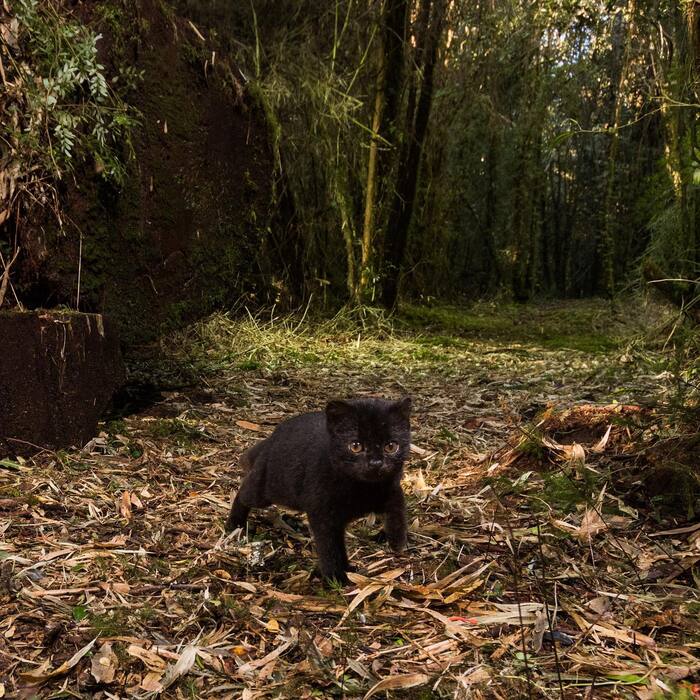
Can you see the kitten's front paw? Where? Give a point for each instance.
(233, 524)
(332, 579)
(245, 526)
(398, 544)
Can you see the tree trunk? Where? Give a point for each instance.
(401, 210)
(606, 244)
(385, 131)
(368, 227)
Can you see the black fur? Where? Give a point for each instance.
(307, 464)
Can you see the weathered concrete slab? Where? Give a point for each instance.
(58, 373)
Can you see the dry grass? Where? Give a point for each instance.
(532, 571)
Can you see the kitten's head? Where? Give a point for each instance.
(369, 438)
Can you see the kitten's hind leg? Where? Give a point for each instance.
(250, 495)
(329, 539)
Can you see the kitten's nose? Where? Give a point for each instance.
(375, 463)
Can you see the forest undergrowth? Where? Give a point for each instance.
(553, 546)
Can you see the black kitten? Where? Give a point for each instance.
(335, 466)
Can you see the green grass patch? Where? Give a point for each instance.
(584, 326)
(446, 339)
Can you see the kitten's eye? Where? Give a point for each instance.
(391, 448)
(355, 447)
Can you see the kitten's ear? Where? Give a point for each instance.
(338, 412)
(402, 407)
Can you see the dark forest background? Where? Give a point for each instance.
(536, 148)
(347, 151)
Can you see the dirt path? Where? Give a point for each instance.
(118, 551)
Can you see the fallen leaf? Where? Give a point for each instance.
(259, 663)
(104, 664)
(182, 667)
(410, 680)
(362, 595)
(538, 630)
(267, 669)
(677, 531)
(248, 425)
(151, 682)
(591, 524)
(600, 445)
(273, 625)
(625, 635)
(41, 674)
(245, 585)
(477, 675)
(599, 605)
(125, 505)
(576, 453)
(152, 661)
(324, 645)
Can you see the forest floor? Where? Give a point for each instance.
(538, 566)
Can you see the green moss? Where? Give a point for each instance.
(444, 435)
(174, 430)
(19, 495)
(679, 693)
(531, 446)
(442, 341)
(114, 623)
(79, 613)
(10, 492)
(147, 613)
(561, 492)
(116, 427)
(160, 566)
(194, 55)
(248, 365)
(112, 17)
